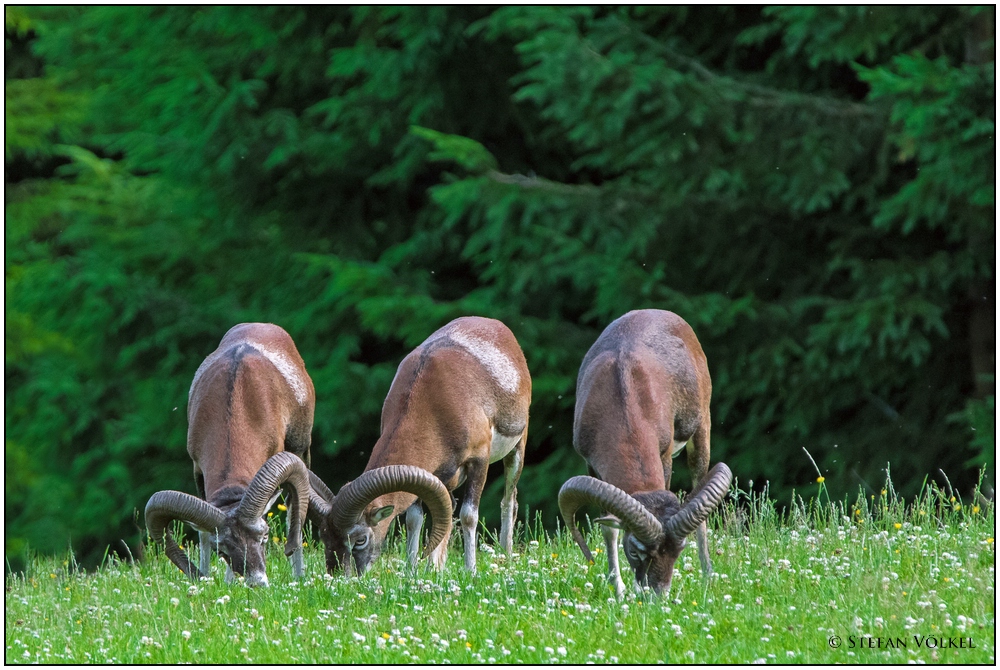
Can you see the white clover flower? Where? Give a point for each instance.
(358, 637)
(561, 651)
(186, 634)
(175, 602)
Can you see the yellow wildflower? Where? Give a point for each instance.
(883, 491)
(897, 526)
(975, 509)
(282, 508)
(820, 479)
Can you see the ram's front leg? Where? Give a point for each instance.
(205, 552)
(414, 523)
(614, 572)
(296, 557)
(698, 463)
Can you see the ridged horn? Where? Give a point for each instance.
(320, 497)
(350, 503)
(701, 504)
(581, 490)
(166, 506)
(282, 468)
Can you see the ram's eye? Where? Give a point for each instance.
(633, 552)
(361, 543)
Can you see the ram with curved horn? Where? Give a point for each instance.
(250, 414)
(458, 402)
(642, 394)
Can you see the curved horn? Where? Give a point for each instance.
(701, 503)
(166, 506)
(320, 497)
(580, 490)
(282, 468)
(349, 504)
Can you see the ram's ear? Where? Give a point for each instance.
(380, 515)
(610, 521)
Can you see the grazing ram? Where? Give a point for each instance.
(250, 414)
(642, 394)
(458, 402)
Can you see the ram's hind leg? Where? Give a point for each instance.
(698, 458)
(513, 463)
(469, 514)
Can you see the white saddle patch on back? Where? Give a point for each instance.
(495, 361)
(678, 448)
(501, 445)
(287, 369)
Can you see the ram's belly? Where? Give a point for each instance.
(501, 445)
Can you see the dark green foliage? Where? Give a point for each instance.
(810, 187)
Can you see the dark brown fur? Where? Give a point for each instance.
(643, 386)
(242, 411)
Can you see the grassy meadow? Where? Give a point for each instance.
(888, 582)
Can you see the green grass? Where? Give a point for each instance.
(782, 588)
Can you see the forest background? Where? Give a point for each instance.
(811, 188)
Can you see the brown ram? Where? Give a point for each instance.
(642, 394)
(458, 402)
(250, 414)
